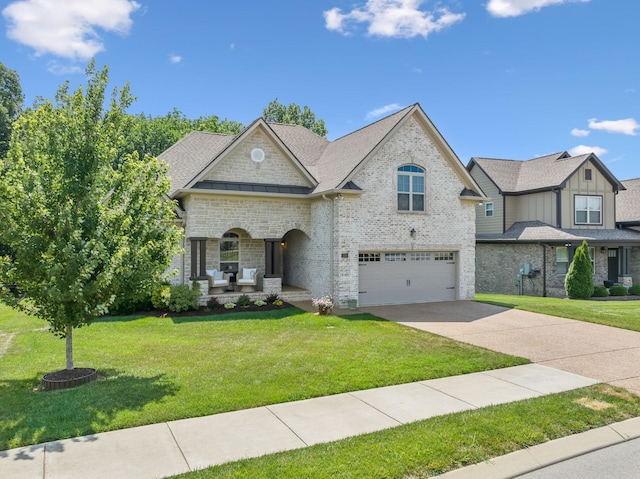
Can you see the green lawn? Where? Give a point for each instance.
(619, 314)
(161, 369)
(440, 444)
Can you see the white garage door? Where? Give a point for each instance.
(406, 277)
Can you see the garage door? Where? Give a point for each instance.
(406, 277)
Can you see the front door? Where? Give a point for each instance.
(612, 265)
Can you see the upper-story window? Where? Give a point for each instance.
(488, 209)
(587, 174)
(588, 210)
(410, 188)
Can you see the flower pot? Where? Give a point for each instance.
(322, 312)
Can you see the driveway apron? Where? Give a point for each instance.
(610, 355)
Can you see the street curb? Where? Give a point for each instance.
(536, 457)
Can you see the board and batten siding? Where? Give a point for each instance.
(598, 185)
(532, 207)
(484, 224)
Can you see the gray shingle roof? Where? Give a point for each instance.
(329, 163)
(191, 155)
(628, 202)
(542, 173)
(537, 231)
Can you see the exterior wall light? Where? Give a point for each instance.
(413, 233)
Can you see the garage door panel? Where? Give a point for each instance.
(421, 277)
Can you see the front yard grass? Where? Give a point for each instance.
(161, 369)
(431, 447)
(620, 314)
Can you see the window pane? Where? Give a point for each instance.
(403, 201)
(581, 202)
(581, 216)
(418, 202)
(594, 203)
(594, 217)
(561, 254)
(418, 184)
(229, 251)
(403, 183)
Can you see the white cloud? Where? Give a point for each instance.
(584, 149)
(382, 111)
(579, 132)
(514, 8)
(628, 126)
(175, 58)
(392, 18)
(67, 28)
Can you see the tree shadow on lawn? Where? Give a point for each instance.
(30, 415)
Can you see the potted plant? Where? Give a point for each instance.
(324, 304)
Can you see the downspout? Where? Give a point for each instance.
(544, 270)
(330, 247)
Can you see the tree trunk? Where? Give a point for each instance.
(69, 348)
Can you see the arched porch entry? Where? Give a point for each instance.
(296, 250)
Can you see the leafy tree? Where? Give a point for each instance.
(153, 135)
(87, 229)
(11, 99)
(276, 112)
(579, 280)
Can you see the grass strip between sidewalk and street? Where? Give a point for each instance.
(624, 314)
(427, 448)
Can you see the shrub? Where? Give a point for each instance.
(272, 298)
(579, 280)
(244, 301)
(618, 290)
(229, 305)
(183, 298)
(128, 306)
(260, 303)
(635, 290)
(160, 297)
(600, 292)
(213, 303)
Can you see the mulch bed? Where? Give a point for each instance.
(68, 378)
(205, 311)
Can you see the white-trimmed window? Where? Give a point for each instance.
(230, 252)
(588, 210)
(562, 260)
(410, 188)
(488, 209)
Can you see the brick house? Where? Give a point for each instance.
(383, 215)
(539, 211)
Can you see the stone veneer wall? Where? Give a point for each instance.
(497, 267)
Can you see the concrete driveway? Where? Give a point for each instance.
(610, 355)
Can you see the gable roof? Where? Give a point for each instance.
(328, 165)
(518, 176)
(628, 202)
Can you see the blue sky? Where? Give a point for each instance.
(499, 78)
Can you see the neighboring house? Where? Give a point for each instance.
(628, 205)
(384, 215)
(539, 211)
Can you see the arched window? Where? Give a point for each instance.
(410, 188)
(229, 252)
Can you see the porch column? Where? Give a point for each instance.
(198, 267)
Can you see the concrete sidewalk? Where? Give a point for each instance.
(166, 449)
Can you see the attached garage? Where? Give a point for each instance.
(406, 277)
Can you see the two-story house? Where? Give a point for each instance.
(539, 211)
(383, 215)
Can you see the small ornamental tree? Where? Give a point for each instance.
(579, 280)
(87, 228)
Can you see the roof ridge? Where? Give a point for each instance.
(377, 121)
